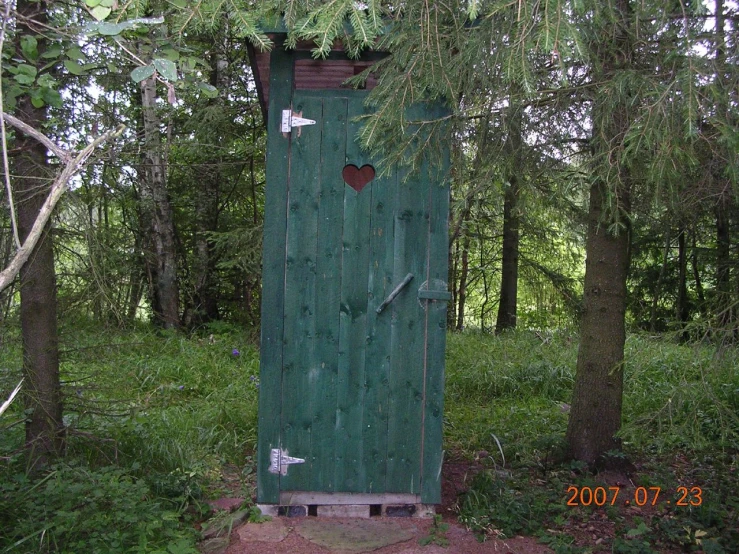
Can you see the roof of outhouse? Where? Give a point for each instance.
(309, 73)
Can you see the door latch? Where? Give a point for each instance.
(279, 460)
(290, 120)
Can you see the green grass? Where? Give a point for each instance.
(156, 417)
(164, 413)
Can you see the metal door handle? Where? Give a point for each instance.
(396, 292)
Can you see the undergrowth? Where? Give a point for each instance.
(681, 426)
(153, 419)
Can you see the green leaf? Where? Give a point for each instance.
(29, 46)
(108, 3)
(25, 74)
(100, 12)
(113, 68)
(46, 80)
(73, 67)
(209, 91)
(75, 54)
(51, 97)
(52, 52)
(37, 102)
(25, 69)
(111, 29)
(166, 69)
(92, 3)
(141, 73)
(171, 54)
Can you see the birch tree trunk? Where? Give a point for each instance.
(156, 215)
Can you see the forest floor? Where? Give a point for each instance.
(620, 525)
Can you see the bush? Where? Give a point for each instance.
(75, 509)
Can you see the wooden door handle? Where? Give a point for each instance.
(396, 292)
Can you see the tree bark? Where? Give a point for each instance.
(681, 305)
(157, 218)
(463, 276)
(42, 389)
(724, 305)
(660, 279)
(205, 304)
(508, 303)
(595, 414)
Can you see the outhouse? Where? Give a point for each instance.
(353, 300)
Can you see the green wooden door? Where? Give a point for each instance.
(354, 392)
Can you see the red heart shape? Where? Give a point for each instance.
(356, 177)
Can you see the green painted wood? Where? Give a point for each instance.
(328, 274)
(273, 264)
(435, 330)
(351, 473)
(377, 367)
(360, 393)
(407, 340)
(300, 371)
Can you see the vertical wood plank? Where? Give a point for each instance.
(407, 339)
(281, 84)
(300, 368)
(350, 471)
(328, 289)
(435, 328)
(377, 365)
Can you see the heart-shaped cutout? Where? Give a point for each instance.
(358, 177)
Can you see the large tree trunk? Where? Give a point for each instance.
(508, 304)
(595, 415)
(44, 424)
(157, 219)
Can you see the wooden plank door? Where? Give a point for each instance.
(357, 394)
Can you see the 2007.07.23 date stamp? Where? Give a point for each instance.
(641, 496)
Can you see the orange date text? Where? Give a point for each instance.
(640, 496)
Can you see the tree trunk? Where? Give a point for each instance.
(508, 304)
(463, 276)
(595, 414)
(696, 273)
(157, 219)
(681, 306)
(43, 398)
(724, 304)
(205, 304)
(660, 279)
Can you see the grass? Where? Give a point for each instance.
(156, 419)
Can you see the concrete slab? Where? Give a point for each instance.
(354, 536)
(347, 510)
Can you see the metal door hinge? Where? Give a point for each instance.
(279, 460)
(290, 120)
